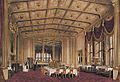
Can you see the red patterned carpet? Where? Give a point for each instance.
(37, 76)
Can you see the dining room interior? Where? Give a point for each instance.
(59, 40)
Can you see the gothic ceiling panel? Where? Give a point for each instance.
(78, 5)
(80, 24)
(60, 13)
(52, 3)
(41, 4)
(66, 22)
(97, 8)
(37, 22)
(51, 26)
(50, 13)
(72, 15)
(56, 20)
(19, 7)
(22, 16)
(26, 23)
(37, 14)
(88, 17)
(65, 3)
(49, 20)
(62, 27)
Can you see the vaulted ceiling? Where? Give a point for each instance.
(59, 18)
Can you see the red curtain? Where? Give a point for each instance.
(98, 34)
(89, 36)
(109, 26)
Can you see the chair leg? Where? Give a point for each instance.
(54, 75)
(72, 76)
(57, 76)
(61, 75)
(65, 75)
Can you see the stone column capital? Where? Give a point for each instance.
(115, 3)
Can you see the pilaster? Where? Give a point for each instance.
(43, 47)
(116, 33)
(53, 50)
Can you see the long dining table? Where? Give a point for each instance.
(53, 70)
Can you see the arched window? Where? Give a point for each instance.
(80, 59)
(90, 53)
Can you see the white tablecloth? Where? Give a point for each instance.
(50, 70)
(110, 69)
(53, 70)
(67, 71)
(75, 71)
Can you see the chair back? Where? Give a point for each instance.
(78, 69)
(57, 70)
(71, 70)
(64, 70)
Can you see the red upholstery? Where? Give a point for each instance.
(57, 72)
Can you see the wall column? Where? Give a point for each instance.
(43, 47)
(53, 49)
(5, 35)
(33, 50)
(74, 51)
(14, 47)
(20, 56)
(116, 34)
(73, 39)
(17, 46)
(1, 27)
(106, 51)
(116, 56)
(22, 52)
(68, 52)
(119, 34)
(62, 52)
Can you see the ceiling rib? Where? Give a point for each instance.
(29, 14)
(46, 13)
(57, 9)
(13, 2)
(55, 18)
(49, 29)
(107, 4)
(53, 24)
(95, 2)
